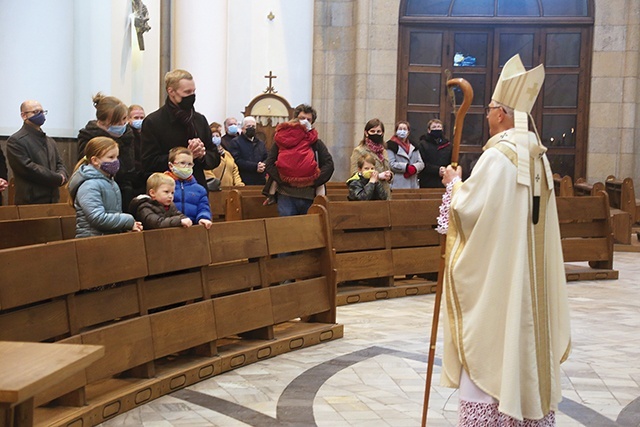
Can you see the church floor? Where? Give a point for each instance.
(375, 375)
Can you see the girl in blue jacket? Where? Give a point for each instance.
(94, 193)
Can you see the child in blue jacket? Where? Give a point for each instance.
(96, 195)
(190, 197)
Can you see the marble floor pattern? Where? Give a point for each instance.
(375, 375)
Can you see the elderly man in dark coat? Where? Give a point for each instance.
(34, 159)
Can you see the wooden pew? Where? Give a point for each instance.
(43, 210)
(9, 212)
(340, 193)
(619, 219)
(583, 188)
(247, 202)
(563, 186)
(35, 211)
(243, 204)
(378, 243)
(622, 196)
(24, 232)
(218, 199)
(168, 319)
(30, 368)
(586, 237)
(11, 192)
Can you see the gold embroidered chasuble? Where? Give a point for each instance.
(507, 318)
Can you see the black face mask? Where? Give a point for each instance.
(250, 132)
(187, 102)
(436, 133)
(376, 138)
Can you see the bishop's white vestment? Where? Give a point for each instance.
(506, 311)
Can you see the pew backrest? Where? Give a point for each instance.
(585, 230)
(142, 296)
(374, 239)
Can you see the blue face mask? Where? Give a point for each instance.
(136, 124)
(216, 140)
(233, 129)
(117, 131)
(38, 119)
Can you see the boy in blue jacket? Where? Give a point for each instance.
(190, 197)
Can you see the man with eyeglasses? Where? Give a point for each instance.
(250, 153)
(34, 159)
(507, 323)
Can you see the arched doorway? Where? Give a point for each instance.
(473, 39)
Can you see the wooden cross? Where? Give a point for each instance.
(270, 88)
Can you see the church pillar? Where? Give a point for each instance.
(199, 42)
(354, 73)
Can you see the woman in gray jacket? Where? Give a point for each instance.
(95, 194)
(404, 158)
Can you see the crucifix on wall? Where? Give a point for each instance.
(270, 88)
(269, 110)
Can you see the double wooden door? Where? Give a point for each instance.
(478, 54)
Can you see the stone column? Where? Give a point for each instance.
(354, 71)
(613, 122)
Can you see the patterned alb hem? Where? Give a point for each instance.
(476, 414)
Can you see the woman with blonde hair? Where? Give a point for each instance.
(111, 122)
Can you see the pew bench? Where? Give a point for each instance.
(218, 199)
(620, 220)
(242, 204)
(11, 192)
(35, 211)
(377, 244)
(24, 232)
(622, 196)
(586, 237)
(30, 368)
(167, 319)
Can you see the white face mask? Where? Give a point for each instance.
(402, 133)
(182, 173)
(306, 124)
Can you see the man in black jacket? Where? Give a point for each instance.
(292, 199)
(249, 152)
(175, 124)
(435, 151)
(34, 159)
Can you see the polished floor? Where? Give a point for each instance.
(375, 375)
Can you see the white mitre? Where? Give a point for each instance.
(518, 88)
